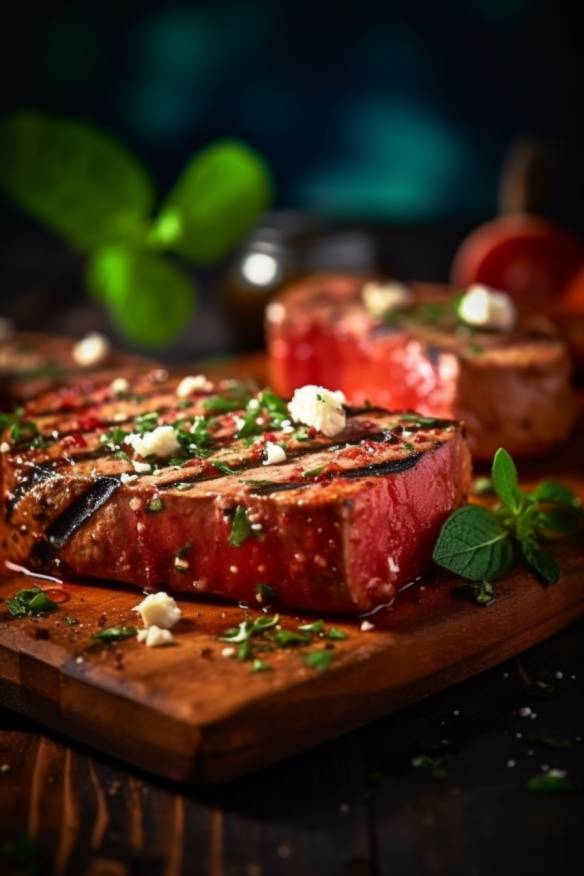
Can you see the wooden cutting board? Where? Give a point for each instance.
(187, 712)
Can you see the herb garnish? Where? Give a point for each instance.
(155, 505)
(225, 404)
(319, 660)
(552, 782)
(240, 527)
(313, 472)
(114, 634)
(480, 592)
(223, 468)
(30, 601)
(21, 430)
(434, 765)
(70, 620)
(259, 666)
(480, 544)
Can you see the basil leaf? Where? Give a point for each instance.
(556, 494)
(240, 527)
(505, 480)
(542, 563)
(474, 544)
(215, 202)
(80, 182)
(149, 300)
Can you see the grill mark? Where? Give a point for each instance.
(39, 474)
(292, 455)
(376, 469)
(88, 403)
(75, 516)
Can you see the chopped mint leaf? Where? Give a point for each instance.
(223, 468)
(319, 660)
(259, 666)
(115, 634)
(70, 620)
(30, 601)
(483, 487)
(480, 592)
(240, 527)
(336, 634)
(313, 472)
(290, 639)
(314, 627)
(224, 404)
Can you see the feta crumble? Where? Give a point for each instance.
(487, 308)
(193, 383)
(319, 407)
(141, 467)
(5, 447)
(158, 610)
(161, 442)
(92, 350)
(126, 478)
(119, 386)
(154, 637)
(383, 298)
(274, 453)
(366, 626)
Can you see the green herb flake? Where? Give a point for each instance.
(301, 434)
(313, 472)
(224, 404)
(223, 468)
(260, 666)
(480, 592)
(115, 634)
(291, 639)
(434, 765)
(70, 620)
(319, 660)
(552, 782)
(266, 593)
(336, 635)
(316, 627)
(29, 602)
(240, 527)
(155, 505)
(483, 486)
(146, 422)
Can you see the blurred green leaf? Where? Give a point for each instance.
(81, 183)
(216, 200)
(149, 299)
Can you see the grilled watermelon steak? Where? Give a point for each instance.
(511, 387)
(213, 489)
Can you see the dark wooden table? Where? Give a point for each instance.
(355, 806)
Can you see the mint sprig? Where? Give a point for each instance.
(481, 544)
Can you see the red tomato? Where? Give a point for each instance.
(529, 258)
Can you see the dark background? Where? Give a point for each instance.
(398, 114)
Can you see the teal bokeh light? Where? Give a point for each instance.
(401, 159)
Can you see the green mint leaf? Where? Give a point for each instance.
(240, 527)
(70, 620)
(480, 592)
(155, 505)
(540, 562)
(556, 494)
(263, 623)
(30, 601)
(564, 521)
(434, 765)
(552, 782)
(240, 633)
(217, 199)
(149, 300)
(291, 639)
(474, 544)
(313, 472)
(259, 666)
(336, 634)
(223, 468)
(315, 627)
(224, 404)
(319, 660)
(115, 634)
(77, 180)
(505, 480)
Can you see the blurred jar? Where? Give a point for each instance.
(286, 246)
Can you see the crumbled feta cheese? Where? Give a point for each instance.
(119, 386)
(228, 651)
(275, 312)
(319, 407)
(126, 478)
(180, 565)
(193, 383)
(557, 774)
(92, 350)
(392, 566)
(4, 447)
(141, 467)
(274, 453)
(154, 637)
(383, 298)
(161, 442)
(158, 609)
(135, 504)
(366, 626)
(525, 712)
(487, 308)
